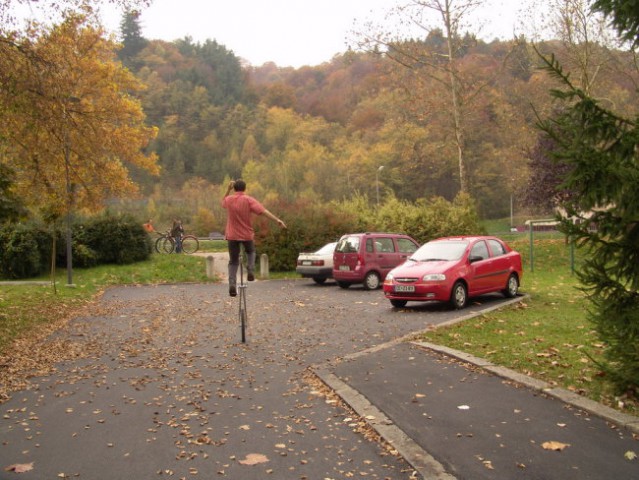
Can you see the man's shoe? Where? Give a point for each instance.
(250, 276)
(232, 291)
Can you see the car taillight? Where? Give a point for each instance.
(318, 263)
(360, 260)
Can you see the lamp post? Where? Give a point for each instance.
(381, 167)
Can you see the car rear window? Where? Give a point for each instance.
(326, 249)
(348, 245)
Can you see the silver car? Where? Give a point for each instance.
(317, 265)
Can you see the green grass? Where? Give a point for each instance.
(213, 246)
(547, 336)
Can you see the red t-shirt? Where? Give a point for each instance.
(240, 206)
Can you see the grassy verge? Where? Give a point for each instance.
(548, 336)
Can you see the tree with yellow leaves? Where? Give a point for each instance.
(71, 124)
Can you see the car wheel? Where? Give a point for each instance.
(319, 280)
(459, 295)
(399, 303)
(343, 285)
(371, 281)
(512, 287)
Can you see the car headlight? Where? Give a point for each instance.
(434, 277)
(389, 277)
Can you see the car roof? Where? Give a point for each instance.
(374, 233)
(466, 238)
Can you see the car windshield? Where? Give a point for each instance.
(348, 245)
(326, 249)
(440, 250)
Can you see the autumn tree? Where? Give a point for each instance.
(586, 39)
(544, 191)
(71, 126)
(437, 57)
(599, 146)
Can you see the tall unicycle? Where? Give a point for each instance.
(242, 288)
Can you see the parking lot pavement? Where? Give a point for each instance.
(166, 389)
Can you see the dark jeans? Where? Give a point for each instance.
(234, 257)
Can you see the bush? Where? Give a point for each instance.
(312, 225)
(111, 239)
(309, 226)
(99, 240)
(21, 254)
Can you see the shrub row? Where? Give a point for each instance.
(311, 225)
(27, 248)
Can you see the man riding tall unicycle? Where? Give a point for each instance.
(239, 229)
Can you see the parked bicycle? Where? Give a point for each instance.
(167, 243)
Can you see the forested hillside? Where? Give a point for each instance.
(323, 132)
(396, 121)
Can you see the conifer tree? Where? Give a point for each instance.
(132, 40)
(601, 149)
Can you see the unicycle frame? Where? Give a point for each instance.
(243, 314)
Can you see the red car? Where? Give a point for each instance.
(367, 257)
(453, 269)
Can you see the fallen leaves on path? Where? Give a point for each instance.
(556, 446)
(254, 459)
(20, 467)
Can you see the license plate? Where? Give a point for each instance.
(344, 267)
(405, 288)
(306, 262)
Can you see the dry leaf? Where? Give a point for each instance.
(20, 467)
(630, 455)
(254, 459)
(556, 446)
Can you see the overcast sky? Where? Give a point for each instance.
(287, 32)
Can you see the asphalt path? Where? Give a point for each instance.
(473, 424)
(168, 390)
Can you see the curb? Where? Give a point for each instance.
(414, 454)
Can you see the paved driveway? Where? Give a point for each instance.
(169, 391)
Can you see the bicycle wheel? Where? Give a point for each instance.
(158, 245)
(190, 244)
(164, 245)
